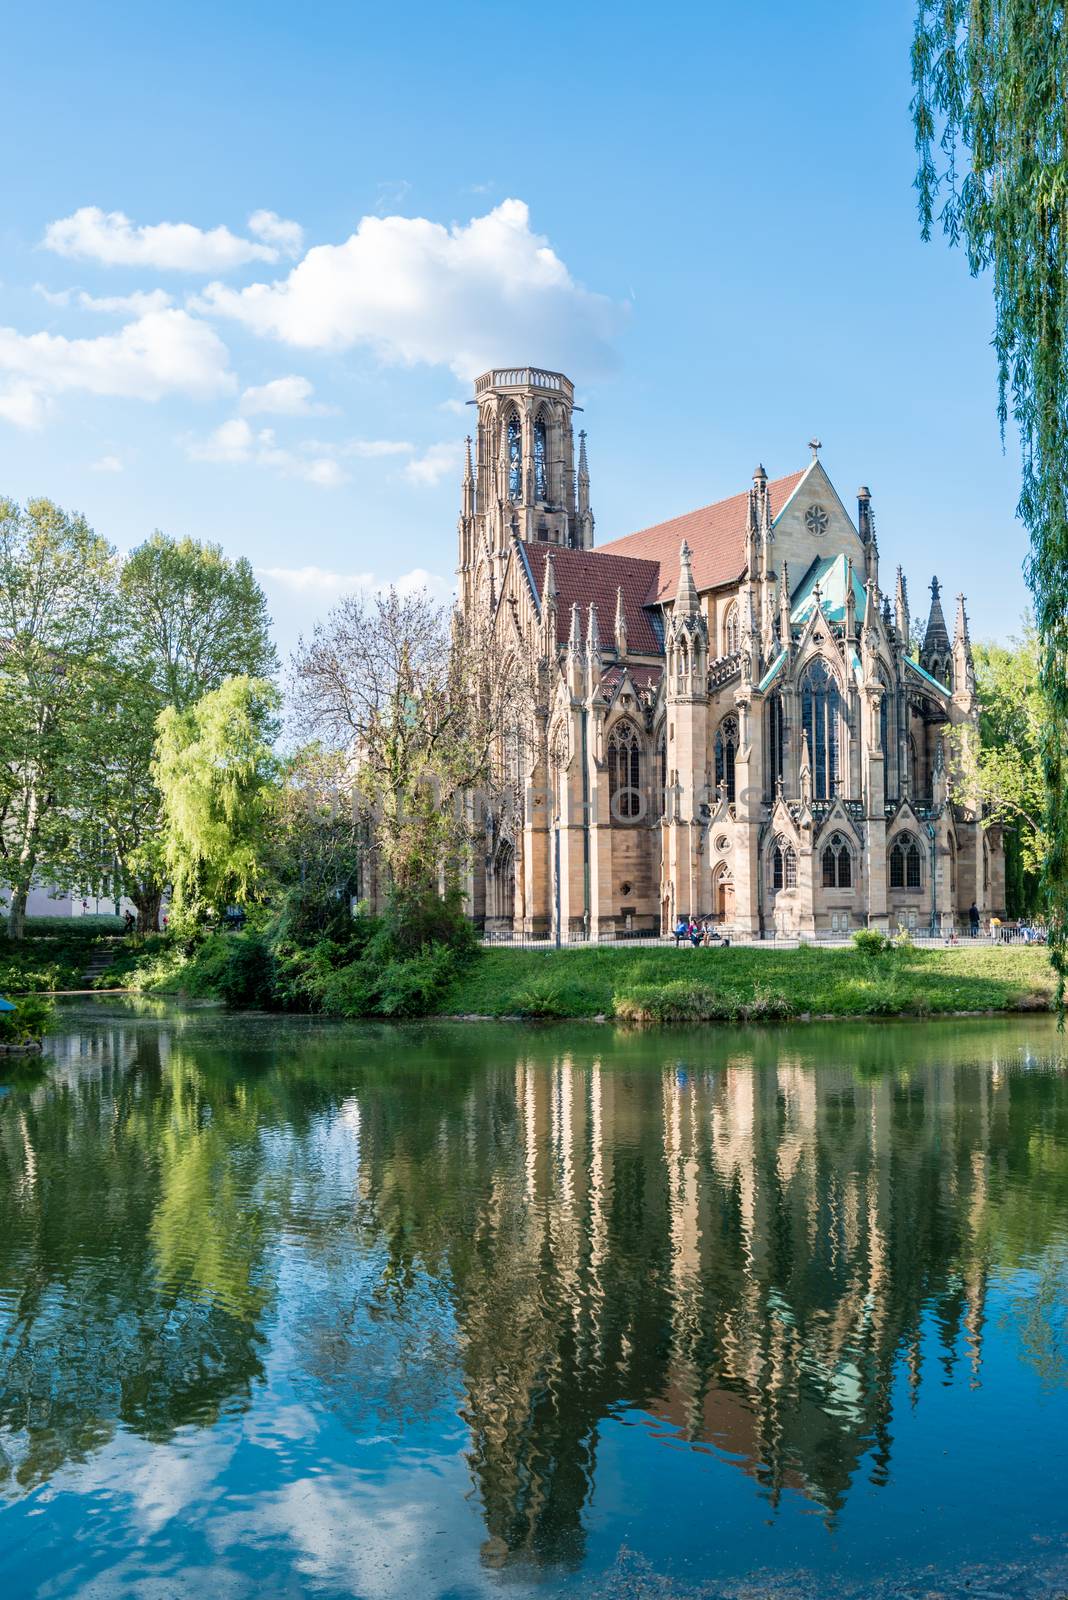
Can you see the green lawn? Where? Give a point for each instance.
(668, 985)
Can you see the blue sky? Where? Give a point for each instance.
(704, 214)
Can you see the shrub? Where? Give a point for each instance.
(73, 930)
(870, 942)
(547, 997)
(27, 1023)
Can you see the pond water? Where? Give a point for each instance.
(296, 1309)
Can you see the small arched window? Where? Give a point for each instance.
(905, 862)
(661, 773)
(541, 470)
(682, 663)
(515, 458)
(837, 864)
(731, 639)
(884, 724)
(726, 748)
(783, 866)
(625, 771)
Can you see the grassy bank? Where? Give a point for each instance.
(638, 985)
(739, 984)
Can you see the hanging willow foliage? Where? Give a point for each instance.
(991, 118)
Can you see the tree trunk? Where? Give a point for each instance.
(16, 912)
(148, 901)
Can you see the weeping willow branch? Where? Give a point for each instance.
(991, 118)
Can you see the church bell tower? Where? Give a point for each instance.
(522, 482)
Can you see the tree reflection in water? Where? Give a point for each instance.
(742, 1237)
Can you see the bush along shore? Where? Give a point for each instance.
(430, 964)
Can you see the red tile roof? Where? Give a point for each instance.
(715, 534)
(585, 577)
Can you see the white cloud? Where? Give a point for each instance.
(110, 238)
(321, 583)
(414, 291)
(163, 352)
(373, 449)
(135, 304)
(106, 464)
(23, 405)
(273, 229)
(236, 442)
(434, 464)
(456, 407)
(284, 397)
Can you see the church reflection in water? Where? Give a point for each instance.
(742, 1247)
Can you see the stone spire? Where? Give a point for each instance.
(901, 608)
(469, 481)
(850, 603)
(935, 654)
(574, 643)
(805, 770)
(621, 625)
(865, 524)
(593, 635)
(871, 608)
(585, 515)
(784, 607)
(549, 603)
(963, 665)
(686, 601)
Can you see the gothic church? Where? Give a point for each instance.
(728, 719)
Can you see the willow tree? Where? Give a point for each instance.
(991, 119)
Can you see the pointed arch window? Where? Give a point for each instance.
(731, 634)
(837, 864)
(515, 457)
(625, 771)
(906, 870)
(776, 741)
(726, 748)
(884, 726)
(783, 866)
(661, 773)
(821, 718)
(541, 472)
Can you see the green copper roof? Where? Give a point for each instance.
(831, 573)
(769, 676)
(926, 676)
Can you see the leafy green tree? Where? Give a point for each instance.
(216, 773)
(196, 616)
(322, 841)
(1010, 777)
(991, 87)
(191, 618)
(58, 626)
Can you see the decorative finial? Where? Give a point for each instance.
(815, 445)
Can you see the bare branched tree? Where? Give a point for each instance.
(422, 704)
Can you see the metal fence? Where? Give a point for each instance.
(610, 939)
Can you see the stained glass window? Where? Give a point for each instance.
(726, 747)
(515, 458)
(905, 869)
(821, 713)
(837, 864)
(775, 740)
(625, 770)
(541, 476)
(730, 631)
(783, 866)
